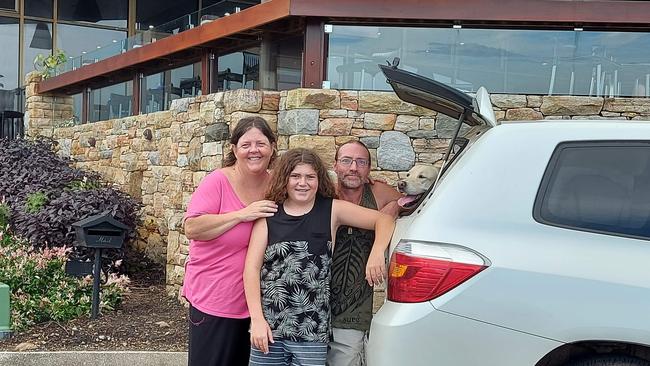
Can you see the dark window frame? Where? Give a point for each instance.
(14, 9)
(551, 171)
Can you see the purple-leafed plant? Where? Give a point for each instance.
(45, 194)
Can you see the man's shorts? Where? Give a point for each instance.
(347, 347)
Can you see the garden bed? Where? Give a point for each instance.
(147, 320)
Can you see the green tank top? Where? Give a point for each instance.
(351, 296)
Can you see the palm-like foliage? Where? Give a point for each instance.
(307, 327)
(295, 290)
(276, 293)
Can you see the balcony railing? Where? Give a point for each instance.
(153, 34)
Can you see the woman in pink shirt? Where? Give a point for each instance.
(218, 222)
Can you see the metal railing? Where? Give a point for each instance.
(12, 125)
(153, 34)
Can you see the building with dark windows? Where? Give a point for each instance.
(118, 65)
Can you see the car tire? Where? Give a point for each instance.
(610, 361)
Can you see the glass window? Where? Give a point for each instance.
(239, 70)
(19, 100)
(37, 40)
(8, 63)
(283, 70)
(289, 63)
(154, 94)
(275, 65)
(106, 12)
(111, 102)
(354, 53)
(8, 4)
(186, 80)
(76, 40)
(608, 64)
(598, 186)
(77, 108)
(39, 8)
(157, 12)
(504, 61)
(158, 90)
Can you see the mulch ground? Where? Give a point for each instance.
(147, 320)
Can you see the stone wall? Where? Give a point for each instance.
(44, 112)
(160, 158)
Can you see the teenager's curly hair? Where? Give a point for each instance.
(287, 163)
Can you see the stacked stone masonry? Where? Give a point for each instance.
(189, 140)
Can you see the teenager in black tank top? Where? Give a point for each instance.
(287, 274)
(296, 270)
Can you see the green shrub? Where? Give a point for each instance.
(42, 291)
(49, 65)
(84, 184)
(5, 214)
(35, 201)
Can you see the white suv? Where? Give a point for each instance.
(532, 248)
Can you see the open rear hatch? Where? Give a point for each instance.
(439, 97)
(475, 112)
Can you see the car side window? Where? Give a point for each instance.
(601, 187)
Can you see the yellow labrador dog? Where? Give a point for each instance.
(417, 181)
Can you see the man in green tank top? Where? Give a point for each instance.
(351, 296)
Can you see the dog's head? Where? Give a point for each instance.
(417, 181)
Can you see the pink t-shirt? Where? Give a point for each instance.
(214, 270)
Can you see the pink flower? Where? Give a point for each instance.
(121, 281)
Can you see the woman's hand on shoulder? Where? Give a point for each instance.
(258, 209)
(261, 335)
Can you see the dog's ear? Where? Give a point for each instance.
(333, 177)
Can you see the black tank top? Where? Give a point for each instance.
(296, 275)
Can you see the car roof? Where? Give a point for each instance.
(579, 123)
(570, 122)
(553, 131)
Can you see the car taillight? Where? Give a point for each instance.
(421, 271)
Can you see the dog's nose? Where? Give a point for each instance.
(401, 184)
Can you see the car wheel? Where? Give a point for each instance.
(610, 361)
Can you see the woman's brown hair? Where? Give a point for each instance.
(243, 126)
(287, 163)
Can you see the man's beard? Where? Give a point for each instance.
(352, 183)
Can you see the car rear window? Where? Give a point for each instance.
(600, 187)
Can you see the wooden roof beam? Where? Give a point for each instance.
(571, 11)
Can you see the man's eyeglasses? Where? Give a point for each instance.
(362, 163)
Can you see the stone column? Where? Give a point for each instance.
(44, 112)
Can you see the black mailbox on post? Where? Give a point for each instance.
(100, 231)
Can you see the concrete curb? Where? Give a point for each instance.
(95, 358)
